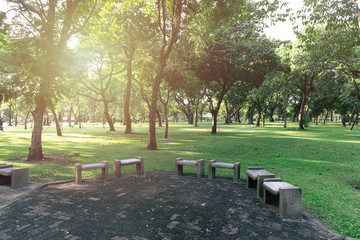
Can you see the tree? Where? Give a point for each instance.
(347, 102)
(170, 17)
(133, 30)
(235, 99)
(307, 62)
(340, 34)
(237, 54)
(282, 79)
(44, 29)
(164, 99)
(327, 92)
(265, 98)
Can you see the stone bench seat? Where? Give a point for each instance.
(104, 166)
(131, 161)
(255, 173)
(6, 171)
(199, 164)
(187, 162)
(138, 161)
(255, 179)
(274, 187)
(213, 165)
(285, 196)
(16, 177)
(223, 165)
(93, 166)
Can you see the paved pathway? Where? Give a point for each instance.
(158, 205)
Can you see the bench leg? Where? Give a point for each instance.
(290, 206)
(236, 172)
(260, 182)
(178, 168)
(200, 168)
(117, 168)
(105, 170)
(140, 166)
(211, 169)
(78, 170)
(19, 177)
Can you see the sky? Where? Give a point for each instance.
(281, 30)
(284, 30)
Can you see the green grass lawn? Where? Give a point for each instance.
(324, 160)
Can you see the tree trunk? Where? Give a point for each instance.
(284, 118)
(258, 117)
(47, 119)
(286, 100)
(228, 114)
(196, 116)
(214, 122)
(271, 116)
(301, 112)
(343, 122)
(10, 115)
(56, 120)
(26, 118)
(355, 120)
(107, 116)
(127, 119)
(159, 117)
(35, 150)
(166, 122)
(189, 115)
(352, 115)
(16, 118)
(69, 116)
(152, 145)
(79, 118)
(271, 112)
(165, 103)
(251, 114)
(191, 118)
(166, 48)
(326, 115)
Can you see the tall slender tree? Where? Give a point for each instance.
(170, 17)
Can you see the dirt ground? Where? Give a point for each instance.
(156, 205)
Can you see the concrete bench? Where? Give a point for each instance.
(104, 166)
(213, 165)
(255, 179)
(16, 177)
(284, 195)
(138, 161)
(180, 163)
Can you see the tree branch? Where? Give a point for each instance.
(95, 99)
(98, 92)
